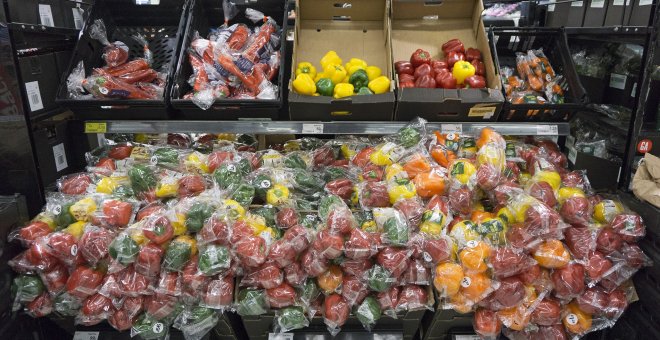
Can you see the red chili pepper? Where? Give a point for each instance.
(453, 57)
(476, 82)
(420, 57)
(403, 67)
(446, 80)
(472, 54)
(423, 70)
(453, 45)
(479, 67)
(425, 81)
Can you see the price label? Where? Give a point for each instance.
(571, 319)
(618, 3)
(280, 336)
(547, 130)
(86, 336)
(451, 128)
(60, 157)
(96, 127)
(577, 3)
(570, 141)
(46, 15)
(466, 282)
(645, 2)
(158, 327)
(77, 17)
(312, 128)
(634, 90)
(467, 337)
(597, 3)
(551, 7)
(34, 96)
(572, 154)
(617, 81)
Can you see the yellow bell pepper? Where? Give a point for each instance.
(167, 187)
(138, 237)
(256, 223)
(343, 90)
(345, 80)
(355, 198)
(402, 189)
(178, 222)
(83, 209)
(196, 161)
(330, 58)
(318, 77)
(46, 218)
(355, 68)
(304, 84)
(379, 85)
(75, 229)
(369, 226)
(373, 72)
(394, 172)
(277, 195)
(306, 68)
(462, 170)
(336, 73)
(190, 241)
(106, 185)
(432, 223)
(379, 157)
(235, 210)
(361, 64)
(462, 69)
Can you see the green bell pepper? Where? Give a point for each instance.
(310, 143)
(197, 215)
(379, 278)
(246, 139)
(290, 318)
(332, 173)
(261, 184)
(123, 191)
(165, 156)
(149, 328)
(228, 174)
(364, 91)
(307, 182)
(308, 291)
(142, 178)
(213, 260)
(268, 213)
(324, 87)
(64, 218)
(67, 305)
(395, 233)
(124, 249)
(294, 161)
(368, 312)
(178, 253)
(252, 302)
(243, 193)
(359, 79)
(327, 203)
(409, 136)
(26, 288)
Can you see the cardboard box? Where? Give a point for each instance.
(357, 29)
(594, 15)
(557, 14)
(428, 25)
(618, 12)
(640, 14)
(40, 82)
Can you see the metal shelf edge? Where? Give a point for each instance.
(326, 128)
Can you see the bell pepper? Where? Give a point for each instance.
(409, 136)
(373, 72)
(462, 70)
(359, 79)
(425, 81)
(420, 57)
(403, 67)
(267, 212)
(472, 54)
(76, 229)
(277, 195)
(165, 156)
(432, 223)
(423, 70)
(82, 210)
(167, 187)
(330, 58)
(228, 174)
(306, 68)
(124, 249)
(180, 250)
(368, 312)
(379, 279)
(196, 162)
(243, 194)
(475, 82)
(234, 209)
(364, 91)
(479, 67)
(406, 77)
(26, 288)
(142, 178)
(380, 85)
(252, 302)
(292, 317)
(343, 90)
(336, 73)
(327, 204)
(159, 230)
(106, 185)
(445, 80)
(355, 64)
(213, 260)
(345, 80)
(325, 87)
(438, 64)
(403, 188)
(304, 84)
(197, 215)
(406, 84)
(454, 57)
(148, 327)
(453, 45)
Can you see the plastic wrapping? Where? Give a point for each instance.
(335, 313)
(290, 318)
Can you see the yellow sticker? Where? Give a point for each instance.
(96, 127)
(485, 111)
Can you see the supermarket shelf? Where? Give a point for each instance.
(31, 28)
(316, 128)
(623, 34)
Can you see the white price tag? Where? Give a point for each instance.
(634, 90)
(280, 336)
(570, 141)
(551, 8)
(312, 128)
(572, 154)
(547, 130)
(597, 3)
(466, 337)
(617, 81)
(451, 128)
(60, 157)
(34, 96)
(86, 336)
(147, 2)
(46, 15)
(617, 3)
(645, 2)
(77, 17)
(577, 3)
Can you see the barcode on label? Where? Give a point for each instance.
(77, 18)
(597, 3)
(617, 81)
(547, 130)
(451, 128)
(577, 3)
(46, 15)
(60, 157)
(312, 128)
(280, 336)
(34, 96)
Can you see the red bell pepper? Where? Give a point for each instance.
(445, 80)
(403, 67)
(472, 54)
(159, 230)
(479, 67)
(120, 152)
(33, 231)
(453, 57)
(75, 184)
(453, 45)
(406, 77)
(406, 84)
(425, 81)
(423, 70)
(476, 81)
(84, 281)
(420, 57)
(117, 213)
(439, 64)
(106, 163)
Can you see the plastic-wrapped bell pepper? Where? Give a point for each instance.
(197, 215)
(409, 136)
(373, 72)
(359, 79)
(106, 185)
(336, 73)
(304, 84)
(343, 90)
(82, 210)
(167, 187)
(213, 260)
(462, 70)
(142, 178)
(180, 250)
(402, 189)
(330, 58)
(306, 68)
(278, 194)
(355, 64)
(124, 249)
(380, 85)
(325, 87)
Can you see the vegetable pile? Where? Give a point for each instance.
(459, 69)
(158, 233)
(235, 62)
(339, 80)
(120, 78)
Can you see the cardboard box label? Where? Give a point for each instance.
(618, 81)
(96, 127)
(85, 335)
(597, 3)
(46, 15)
(312, 128)
(482, 111)
(77, 17)
(547, 130)
(551, 8)
(60, 157)
(617, 3)
(577, 3)
(645, 2)
(451, 128)
(34, 96)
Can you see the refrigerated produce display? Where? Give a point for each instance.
(445, 170)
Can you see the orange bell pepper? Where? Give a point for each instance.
(429, 184)
(416, 165)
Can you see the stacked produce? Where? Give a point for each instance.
(161, 234)
(339, 80)
(460, 68)
(235, 62)
(119, 78)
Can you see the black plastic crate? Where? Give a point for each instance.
(207, 14)
(162, 24)
(505, 42)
